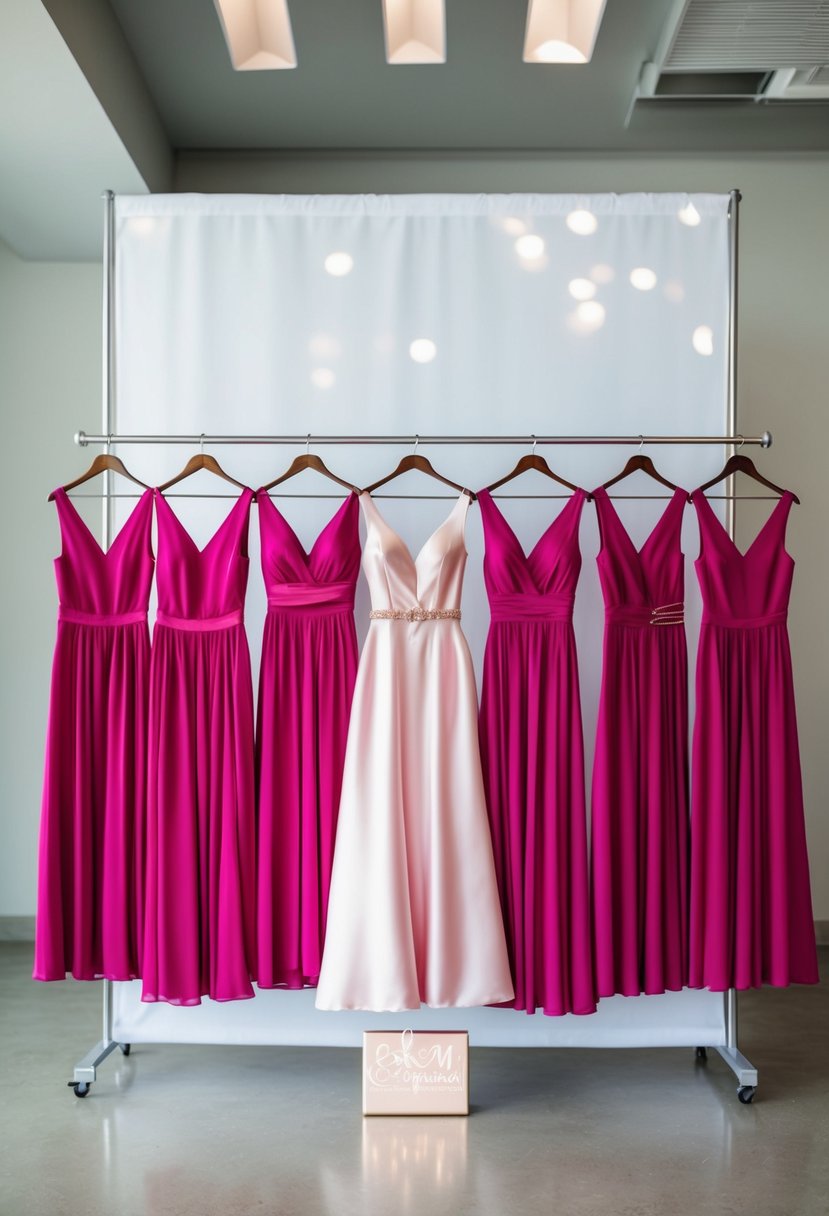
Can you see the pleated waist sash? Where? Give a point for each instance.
(75, 617)
(522, 606)
(316, 599)
(644, 614)
(744, 622)
(207, 624)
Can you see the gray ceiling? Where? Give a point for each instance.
(343, 95)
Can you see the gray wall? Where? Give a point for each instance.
(49, 385)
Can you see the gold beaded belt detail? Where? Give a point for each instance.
(415, 614)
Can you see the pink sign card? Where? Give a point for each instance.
(416, 1072)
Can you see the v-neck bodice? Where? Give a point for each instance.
(399, 582)
(538, 585)
(101, 584)
(324, 575)
(647, 585)
(202, 584)
(750, 588)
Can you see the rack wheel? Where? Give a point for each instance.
(701, 1055)
(126, 1048)
(746, 1093)
(80, 1088)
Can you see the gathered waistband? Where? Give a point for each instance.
(200, 625)
(319, 597)
(642, 614)
(746, 622)
(519, 606)
(75, 617)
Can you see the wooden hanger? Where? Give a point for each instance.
(419, 463)
(640, 464)
(202, 461)
(100, 465)
(535, 463)
(309, 460)
(743, 464)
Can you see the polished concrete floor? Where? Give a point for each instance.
(222, 1131)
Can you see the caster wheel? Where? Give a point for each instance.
(746, 1094)
(701, 1055)
(126, 1048)
(79, 1088)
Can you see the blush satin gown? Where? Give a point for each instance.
(306, 682)
(413, 914)
(201, 872)
(639, 843)
(91, 862)
(751, 909)
(533, 760)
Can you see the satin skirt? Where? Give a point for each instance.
(640, 813)
(413, 914)
(751, 909)
(91, 853)
(533, 757)
(201, 874)
(306, 683)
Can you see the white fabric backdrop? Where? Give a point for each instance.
(229, 320)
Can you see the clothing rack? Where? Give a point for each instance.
(85, 1072)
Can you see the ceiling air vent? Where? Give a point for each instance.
(741, 50)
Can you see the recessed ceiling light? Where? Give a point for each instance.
(323, 377)
(562, 31)
(258, 34)
(415, 31)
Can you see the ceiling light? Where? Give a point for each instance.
(258, 34)
(339, 264)
(423, 350)
(529, 247)
(322, 377)
(562, 31)
(415, 31)
(583, 223)
(602, 273)
(513, 226)
(643, 278)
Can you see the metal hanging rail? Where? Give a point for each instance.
(764, 440)
(85, 1071)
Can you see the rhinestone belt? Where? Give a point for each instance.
(415, 614)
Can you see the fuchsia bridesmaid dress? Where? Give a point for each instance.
(90, 873)
(533, 760)
(751, 911)
(413, 914)
(201, 871)
(306, 682)
(639, 842)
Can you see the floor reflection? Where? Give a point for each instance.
(412, 1159)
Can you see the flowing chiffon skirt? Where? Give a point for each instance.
(91, 854)
(201, 875)
(533, 759)
(306, 682)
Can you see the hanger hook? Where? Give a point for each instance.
(742, 439)
(534, 443)
(308, 444)
(201, 443)
(417, 441)
(641, 441)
